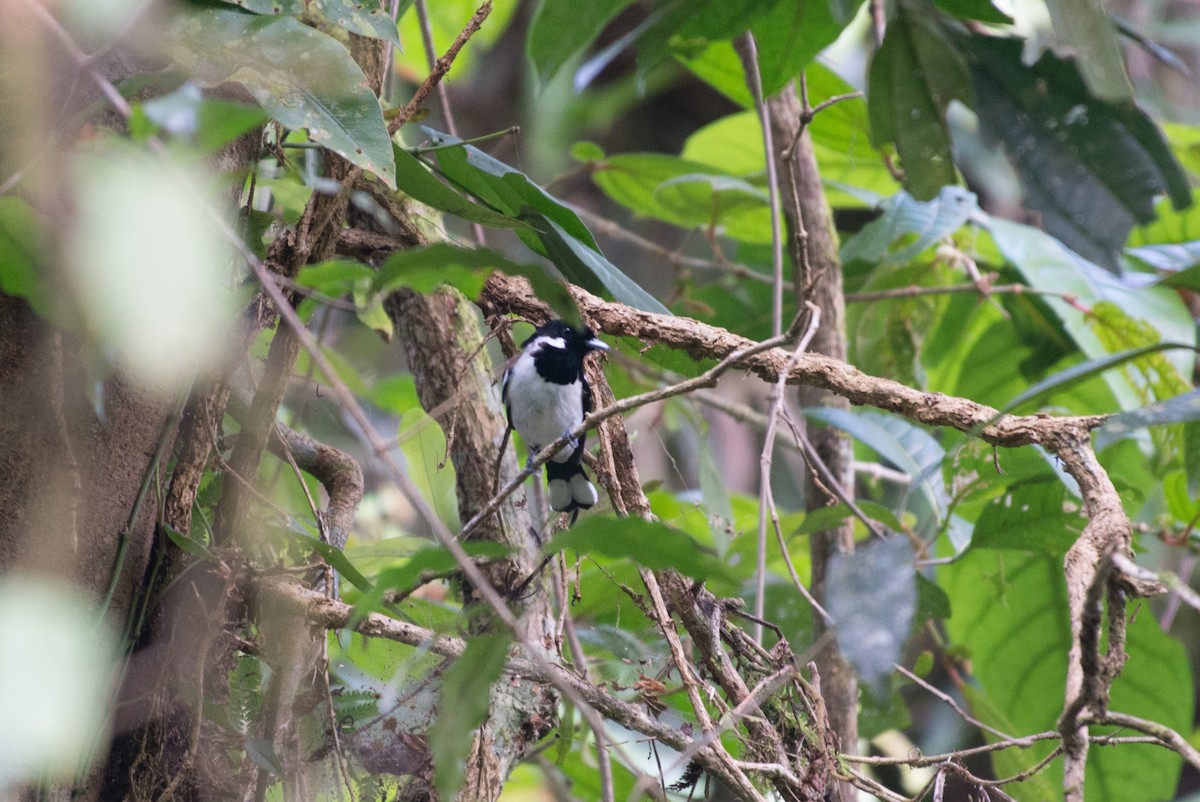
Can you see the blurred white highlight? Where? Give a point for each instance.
(57, 670)
(150, 273)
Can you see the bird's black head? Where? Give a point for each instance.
(558, 350)
(559, 334)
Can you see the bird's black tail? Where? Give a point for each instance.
(568, 487)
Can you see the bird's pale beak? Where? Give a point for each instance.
(596, 344)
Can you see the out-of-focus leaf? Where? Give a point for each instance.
(872, 597)
(981, 10)
(824, 518)
(466, 688)
(1084, 370)
(718, 65)
(842, 142)
(1181, 408)
(20, 246)
(274, 7)
(408, 575)
(334, 556)
(1001, 598)
(187, 544)
(363, 17)
(303, 78)
(1029, 517)
(1086, 30)
(648, 543)
(562, 28)
(932, 602)
(211, 123)
(671, 189)
(904, 445)
(1091, 168)
(732, 144)
(263, 754)
(928, 221)
(446, 21)
(913, 77)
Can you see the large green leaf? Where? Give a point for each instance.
(303, 78)
(1002, 598)
(1046, 264)
(587, 267)
(650, 184)
(363, 17)
(1030, 516)
(1091, 168)
(21, 250)
(553, 229)
(793, 32)
(919, 224)
(1086, 30)
(562, 28)
(904, 445)
(425, 269)
(415, 180)
(650, 544)
(913, 77)
(466, 689)
(273, 7)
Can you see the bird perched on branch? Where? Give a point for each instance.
(546, 395)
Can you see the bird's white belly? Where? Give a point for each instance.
(542, 411)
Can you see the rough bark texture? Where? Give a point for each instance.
(817, 277)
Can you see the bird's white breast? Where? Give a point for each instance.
(542, 411)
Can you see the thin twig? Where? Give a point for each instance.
(441, 67)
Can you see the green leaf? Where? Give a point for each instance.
(504, 188)
(1077, 373)
(1181, 408)
(187, 544)
(20, 248)
(1045, 264)
(587, 267)
(686, 193)
(791, 34)
(920, 224)
(1084, 28)
(415, 180)
(273, 7)
(719, 66)
(211, 123)
(334, 556)
(362, 17)
(648, 543)
(303, 78)
(842, 142)
(981, 10)
(1001, 598)
(562, 28)
(904, 445)
(466, 690)
(263, 754)
(1029, 517)
(335, 277)
(409, 575)
(427, 268)
(913, 77)
(1092, 169)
